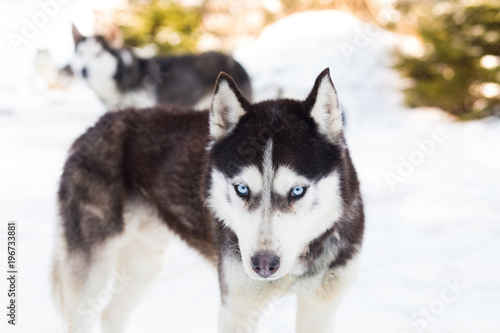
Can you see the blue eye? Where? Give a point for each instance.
(241, 190)
(297, 191)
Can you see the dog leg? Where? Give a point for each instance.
(80, 285)
(243, 316)
(316, 315)
(316, 308)
(140, 265)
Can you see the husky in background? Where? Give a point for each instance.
(266, 192)
(46, 75)
(122, 79)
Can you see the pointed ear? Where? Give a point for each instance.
(324, 106)
(77, 36)
(114, 36)
(228, 106)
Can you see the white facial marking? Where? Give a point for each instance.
(286, 179)
(285, 230)
(311, 216)
(250, 177)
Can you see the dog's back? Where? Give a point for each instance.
(121, 79)
(129, 182)
(188, 80)
(111, 163)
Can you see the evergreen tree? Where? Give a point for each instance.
(171, 26)
(460, 68)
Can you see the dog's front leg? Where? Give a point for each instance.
(316, 307)
(237, 320)
(316, 315)
(243, 300)
(244, 309)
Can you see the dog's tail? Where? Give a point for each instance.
(91, 190)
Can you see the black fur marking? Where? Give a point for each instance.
(254, 202)
(300, 146)
(281, 202)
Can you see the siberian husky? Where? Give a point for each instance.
(266, 192)
(121, 79)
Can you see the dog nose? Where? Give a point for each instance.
(84, 72)
(265, 264)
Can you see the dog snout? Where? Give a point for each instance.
(85, 73)
(265, 263)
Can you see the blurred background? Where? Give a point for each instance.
(419, 82)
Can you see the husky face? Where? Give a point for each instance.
(97, 63)
(93, 60)
(274, 178)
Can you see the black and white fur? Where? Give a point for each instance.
(140, 177)
(122, 79)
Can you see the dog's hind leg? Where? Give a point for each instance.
(91, 195)
(141, 265)
(141, 259)
(81, 284)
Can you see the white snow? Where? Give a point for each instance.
(440, 226)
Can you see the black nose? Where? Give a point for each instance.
(85, 73)
(265, 263)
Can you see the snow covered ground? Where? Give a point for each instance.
(431, 259)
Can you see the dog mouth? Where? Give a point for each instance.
(257, 277)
